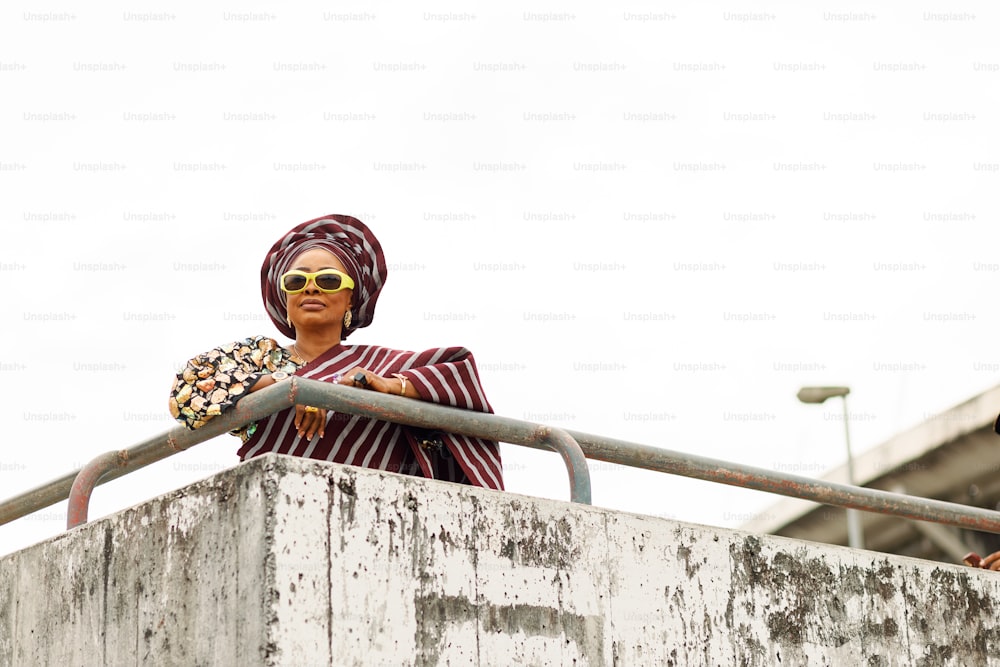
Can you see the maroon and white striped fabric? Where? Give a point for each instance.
(443, 375)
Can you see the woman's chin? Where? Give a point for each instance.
(314, 321)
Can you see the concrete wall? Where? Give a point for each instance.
(284, 561)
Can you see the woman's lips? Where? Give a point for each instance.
(312, 304)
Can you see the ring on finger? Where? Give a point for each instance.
(310, 408)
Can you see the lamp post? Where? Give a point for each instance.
(817, 395)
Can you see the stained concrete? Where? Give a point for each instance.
(284, 561)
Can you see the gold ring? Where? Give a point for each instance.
(310, 408)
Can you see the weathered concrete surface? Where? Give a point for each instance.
(284, 561)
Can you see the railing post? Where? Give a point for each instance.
(88, 477)
(576, 463)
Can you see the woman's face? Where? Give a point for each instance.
(311, 308)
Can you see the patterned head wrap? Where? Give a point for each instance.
(346, 237)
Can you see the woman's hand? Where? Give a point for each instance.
(309, 421)
(372, 381)
(991, 562)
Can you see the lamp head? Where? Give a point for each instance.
(820, 394)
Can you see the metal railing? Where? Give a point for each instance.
(78, 486)
(574, 447)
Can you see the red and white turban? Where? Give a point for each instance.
(346, 237)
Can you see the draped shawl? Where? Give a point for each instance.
(447, 376)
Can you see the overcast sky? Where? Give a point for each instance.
(654, 224)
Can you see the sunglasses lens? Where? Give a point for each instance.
(328, 281)
(294, 283)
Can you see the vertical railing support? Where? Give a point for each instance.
(89, 477)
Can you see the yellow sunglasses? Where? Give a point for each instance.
(327, 280)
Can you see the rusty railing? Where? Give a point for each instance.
(574, 447)
(79, 485)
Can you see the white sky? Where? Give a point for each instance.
(797, 194)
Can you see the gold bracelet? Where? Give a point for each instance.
(402, 378)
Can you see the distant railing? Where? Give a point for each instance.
(574, 447)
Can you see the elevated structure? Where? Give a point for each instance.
(953, 456)
(285, 561)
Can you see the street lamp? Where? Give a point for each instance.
(855, 537)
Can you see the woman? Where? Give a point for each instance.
(320, 283)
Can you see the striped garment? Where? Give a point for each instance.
(443, 375)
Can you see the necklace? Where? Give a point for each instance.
(297, 353)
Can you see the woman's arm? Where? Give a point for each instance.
(444, 375)
(447, 376)
(213, 382)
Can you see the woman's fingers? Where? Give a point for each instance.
(991, 562)
(359, 377)
(364, 378)
(309, 421)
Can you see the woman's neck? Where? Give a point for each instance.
(311, 346)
